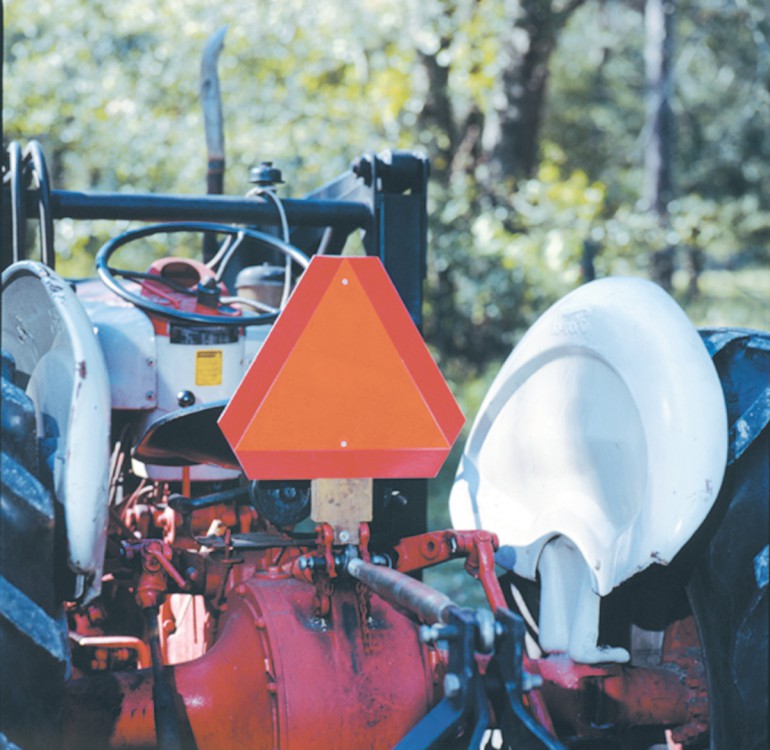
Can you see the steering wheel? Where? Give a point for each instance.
(109, 275)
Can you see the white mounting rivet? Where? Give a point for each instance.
(343, 443)
(344, 536)
(344, 282)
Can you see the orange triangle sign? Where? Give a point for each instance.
(344, 385)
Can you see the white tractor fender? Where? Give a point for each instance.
(47, 331)
(602, 439)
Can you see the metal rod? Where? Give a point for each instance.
(34, 154)
(149, 207)
(167, 730)
(427, 603)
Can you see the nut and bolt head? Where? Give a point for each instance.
(265, 175)
(185, 398)
(344, 536)
(430, 633)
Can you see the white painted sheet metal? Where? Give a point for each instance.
(605, 427)
(51, 338)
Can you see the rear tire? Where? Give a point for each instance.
(729, 588)
(34, 654)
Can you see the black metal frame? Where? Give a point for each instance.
(462, 717)
(385, 196)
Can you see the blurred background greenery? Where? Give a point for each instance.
(568, 138)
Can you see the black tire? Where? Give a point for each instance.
(729, 588)
(34, 654)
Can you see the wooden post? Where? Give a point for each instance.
(343, 504)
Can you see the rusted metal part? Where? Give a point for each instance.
(434, 547)
(322, 601)
(427, 603)
(363, 543)
(481, 565)
(364, 597)
(560, 670)
(425, 550)
(638, 697)
(325, 540)
(277, 677)
(629, 697)
(593, 700)
(682, 648)
(157, 567)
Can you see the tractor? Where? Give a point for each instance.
(214, 487)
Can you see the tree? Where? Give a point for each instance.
(659, 127)
(531, 113)
(530, 33)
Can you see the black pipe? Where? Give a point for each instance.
(18, 217)
(150, 207)
(167, 730)
(189, 504)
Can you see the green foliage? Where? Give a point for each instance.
(112, 92)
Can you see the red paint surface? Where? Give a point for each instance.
(277, 678)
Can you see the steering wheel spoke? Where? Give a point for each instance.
(111, 276)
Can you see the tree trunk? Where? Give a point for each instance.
(527, 42)
(659, 127)
(437, 115)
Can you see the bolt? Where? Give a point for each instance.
(363, 168)
(485, 625)
(344, 536)
(452, 685)
(185, 398)
(265, 175)
(430, 633)
(150, 395)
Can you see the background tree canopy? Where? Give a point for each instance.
(533, 113)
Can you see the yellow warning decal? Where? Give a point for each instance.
(208, 367)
